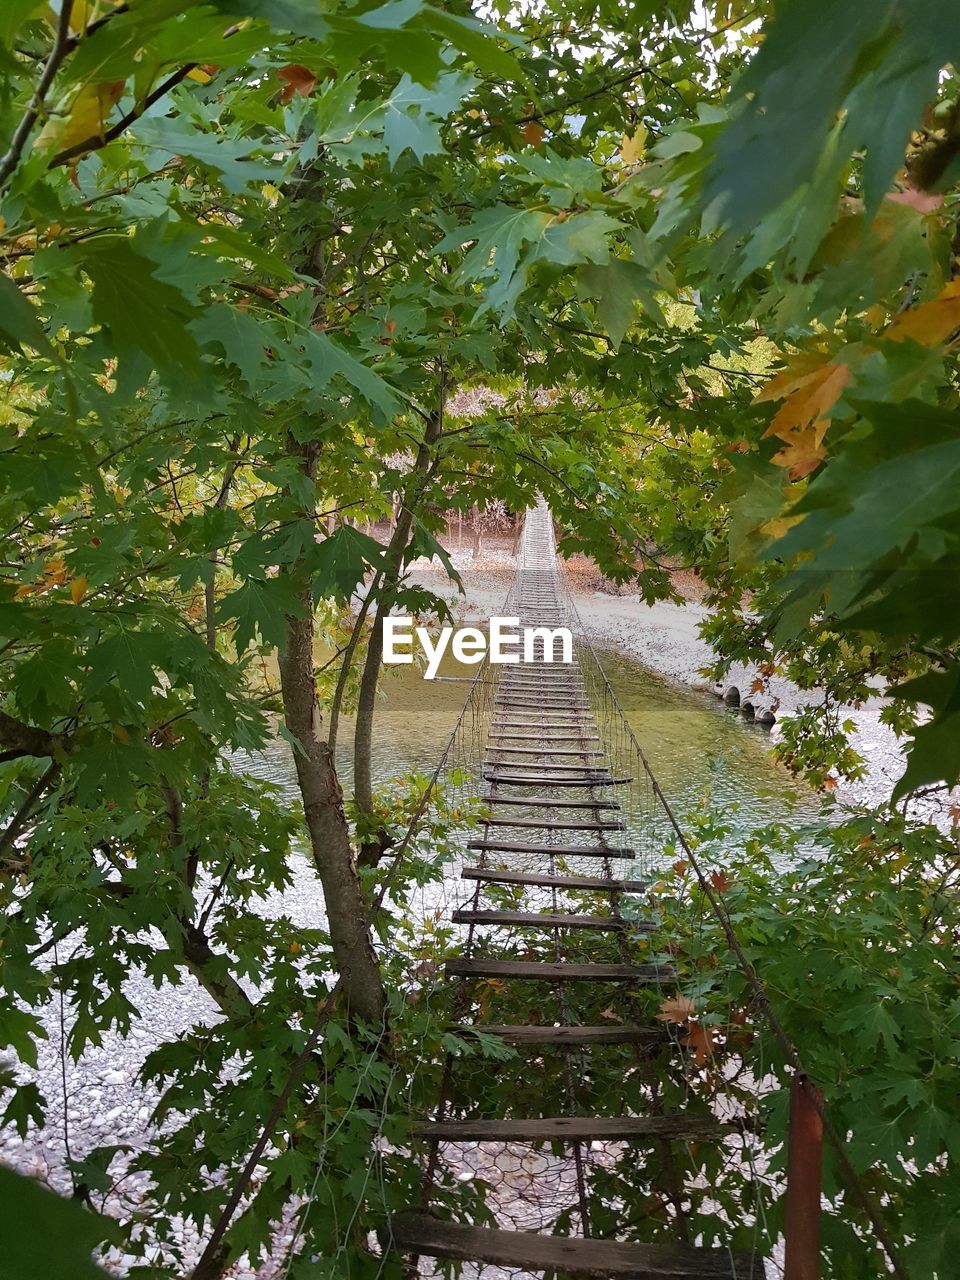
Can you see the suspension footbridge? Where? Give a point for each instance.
(593, 1152)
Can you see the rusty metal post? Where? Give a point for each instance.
(804, 1167)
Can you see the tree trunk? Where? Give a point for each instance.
(323, 808)
(423, 468)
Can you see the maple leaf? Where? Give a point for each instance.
(758, 685)
(809, 389)
(681, 868)
(78, 589)
(678, 1009)
(720, 881)
(700, 1040)
(931, 322)
(534, 132)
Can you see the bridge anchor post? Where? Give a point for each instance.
(804, 1169)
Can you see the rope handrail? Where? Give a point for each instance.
(762, 1000)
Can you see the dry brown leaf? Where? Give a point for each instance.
(700, 1040)
(677, 1009)
(296, 79)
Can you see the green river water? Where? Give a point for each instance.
(698, 748)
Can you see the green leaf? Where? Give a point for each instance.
(423, 543)
(19, 321)
(142, 312)
(240, 337)
(326, 358)
(226, 156)
(261, 607)
(934, 755)
(13, 15)
(43, 1235)
(339, 563)
(27, 1106)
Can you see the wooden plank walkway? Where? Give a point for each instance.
(549, 801)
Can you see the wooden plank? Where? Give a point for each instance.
(492, 749)
(507, 875)
(546, 737)
(520, 765)
(550, 802)
(545, 824)
(560, 768)
(421, 1234)
(572, 1128)
(548, 920)
(559, 684)
(573, 727)
(493, 844)
(551, 780)
(546, 704)
(562, 971)
(530, 1033)
(503, 875)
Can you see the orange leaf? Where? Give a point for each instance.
(931, 322)
(758, 685)
(680, 868)
(679, 1009)
(78, 589)
(809, 390)
(720, 881)
(700, 1040)
(297, 79)
(534, 132)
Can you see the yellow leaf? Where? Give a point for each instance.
(931, 322)
(86, 118)
(78, 589)
(632, 146)
(80, 14)
(198, 74)
(809, 390)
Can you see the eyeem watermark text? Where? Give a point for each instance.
(506, 643)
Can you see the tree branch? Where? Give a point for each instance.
(61, 47)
